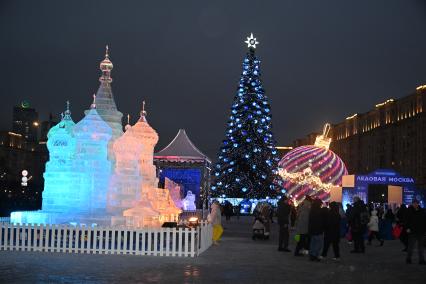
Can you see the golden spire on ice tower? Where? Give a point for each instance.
(106, 67)
(323, 140)
(93, 105)
(128, 126)
(143, 112)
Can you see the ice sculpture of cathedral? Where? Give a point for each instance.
(155, 205)
(105, 104)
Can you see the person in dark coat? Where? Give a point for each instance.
(227, 210)
(416, 229)
(332, 231)
(402, 220)
(316, 229)
(358, 220)
(283, 214)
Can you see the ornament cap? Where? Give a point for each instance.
(323, 140)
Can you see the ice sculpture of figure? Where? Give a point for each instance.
(92, 135)
(189, 202)
(59, 189)
(105, 104)
(175, 191)
(155, 205)
(125, 187)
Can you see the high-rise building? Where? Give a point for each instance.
(45, 127)
(390, 136)
(25, 122)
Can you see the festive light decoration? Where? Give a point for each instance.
(312, 170)
(251, 42)
(247, 164)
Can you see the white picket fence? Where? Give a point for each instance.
(106, 240)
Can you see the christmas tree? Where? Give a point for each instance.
(248, 161)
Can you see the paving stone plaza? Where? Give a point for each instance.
(238, 259)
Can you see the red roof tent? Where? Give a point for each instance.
(181, 149)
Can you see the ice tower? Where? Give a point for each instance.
(92, 136)
(125, 186)
(105, 104)
(59, 176)
(58, 194)
(155, 205)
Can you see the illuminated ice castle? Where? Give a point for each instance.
(98, 175)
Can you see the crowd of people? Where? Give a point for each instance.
(319, 226)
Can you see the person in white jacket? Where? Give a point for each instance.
(373, 227)
(215, 218)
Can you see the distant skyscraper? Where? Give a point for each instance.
(46, 126)
(25, 122)
(105, 104)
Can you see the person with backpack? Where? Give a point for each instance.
(358, 221)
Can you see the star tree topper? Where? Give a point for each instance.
(251, 41)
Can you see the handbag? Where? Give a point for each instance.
(396, 231)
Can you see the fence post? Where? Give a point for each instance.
(167, 241)
(144, 250)
(192, 246)
(149, 242)
(162, 231)
(155, 243)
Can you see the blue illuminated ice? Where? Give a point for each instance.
(189, 202)
(77, 173)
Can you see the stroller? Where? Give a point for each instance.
(261, 225)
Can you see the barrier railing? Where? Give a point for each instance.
(184, 242)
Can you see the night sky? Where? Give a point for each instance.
(321, 60)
